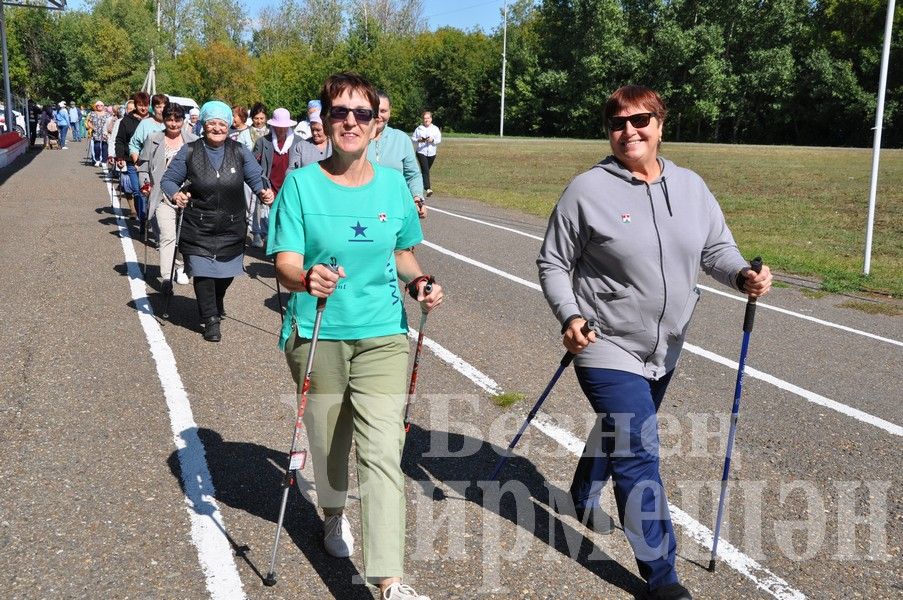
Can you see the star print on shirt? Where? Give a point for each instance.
(359, 233)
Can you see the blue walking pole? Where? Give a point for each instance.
(748, 319)
(565, 361)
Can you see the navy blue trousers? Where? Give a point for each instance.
(624, 446)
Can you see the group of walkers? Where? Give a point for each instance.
(340, 213)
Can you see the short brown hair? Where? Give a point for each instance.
(635, 95)
(241, 112)
(142, 98)
(339, 83)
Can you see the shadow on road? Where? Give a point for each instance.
(247, 477)
(458, 457)
(22, 161)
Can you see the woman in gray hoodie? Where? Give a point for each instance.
(623, 247)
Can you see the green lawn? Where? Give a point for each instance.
(803, 210)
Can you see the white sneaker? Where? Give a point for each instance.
(65, 147)
(401, 591)
(338, 540)
(181, 277)
(429, 192)
(96, 163)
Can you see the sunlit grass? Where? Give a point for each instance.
(802, 209)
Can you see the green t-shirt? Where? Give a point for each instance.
(358, 228)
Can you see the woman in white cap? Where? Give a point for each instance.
(273, 152)
(212, 238)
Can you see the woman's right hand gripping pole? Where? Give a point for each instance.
(577, 335)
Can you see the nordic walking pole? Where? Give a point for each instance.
(565, 361)
(407, 405)
(180, 212)
(145, 190)
(755, 265)
(296, 457)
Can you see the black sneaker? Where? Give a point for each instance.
(672, 591)
(211, 329)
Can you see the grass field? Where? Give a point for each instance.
(802, 209)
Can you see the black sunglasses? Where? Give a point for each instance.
(361, 115)
(638, 120)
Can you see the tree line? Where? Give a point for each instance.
(737, 71)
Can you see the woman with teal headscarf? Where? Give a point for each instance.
(214, 222)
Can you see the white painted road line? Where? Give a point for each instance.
(784, 385)
(207, 526)
(727, 552)
(739, 298)
(810, 396)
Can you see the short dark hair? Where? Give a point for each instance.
(159, 99)
(635, 95)
(173, 110)
(142, 98)
(241, 112)
(339, 83)
(259, 107)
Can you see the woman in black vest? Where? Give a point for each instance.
(212, 238)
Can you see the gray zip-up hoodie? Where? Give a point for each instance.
(627, 254)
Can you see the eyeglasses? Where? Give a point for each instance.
(638, 120)
(340, 113)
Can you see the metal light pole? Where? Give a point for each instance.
(876, 148)
(7, 92)
(504, 58)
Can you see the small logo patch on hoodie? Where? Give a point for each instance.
(625, 217)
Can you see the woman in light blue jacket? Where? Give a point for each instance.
(61, 116)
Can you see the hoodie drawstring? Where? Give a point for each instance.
(667, 197)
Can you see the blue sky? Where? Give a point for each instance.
(463, 14)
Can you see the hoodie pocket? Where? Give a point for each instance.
(683, 323)
(619, 312)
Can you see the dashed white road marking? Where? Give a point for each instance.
(807, 395)
(208, 531)
(737, 297)
(729, 554)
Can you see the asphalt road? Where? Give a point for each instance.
(142, 462)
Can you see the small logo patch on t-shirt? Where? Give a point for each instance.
(382, 217)
(625, 217)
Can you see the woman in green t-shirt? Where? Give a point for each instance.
(358, 218)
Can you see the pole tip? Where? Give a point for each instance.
(269, 580)
(712, 566)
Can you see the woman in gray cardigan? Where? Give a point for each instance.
(158, 150)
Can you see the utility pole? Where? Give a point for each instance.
(876, 149)
(150, 82)
(504, 59)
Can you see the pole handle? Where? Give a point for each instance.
(568, 357)
(321, 302)
(750, 316)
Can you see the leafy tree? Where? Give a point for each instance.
(394, 17)
(223, 21)
(217, 70)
